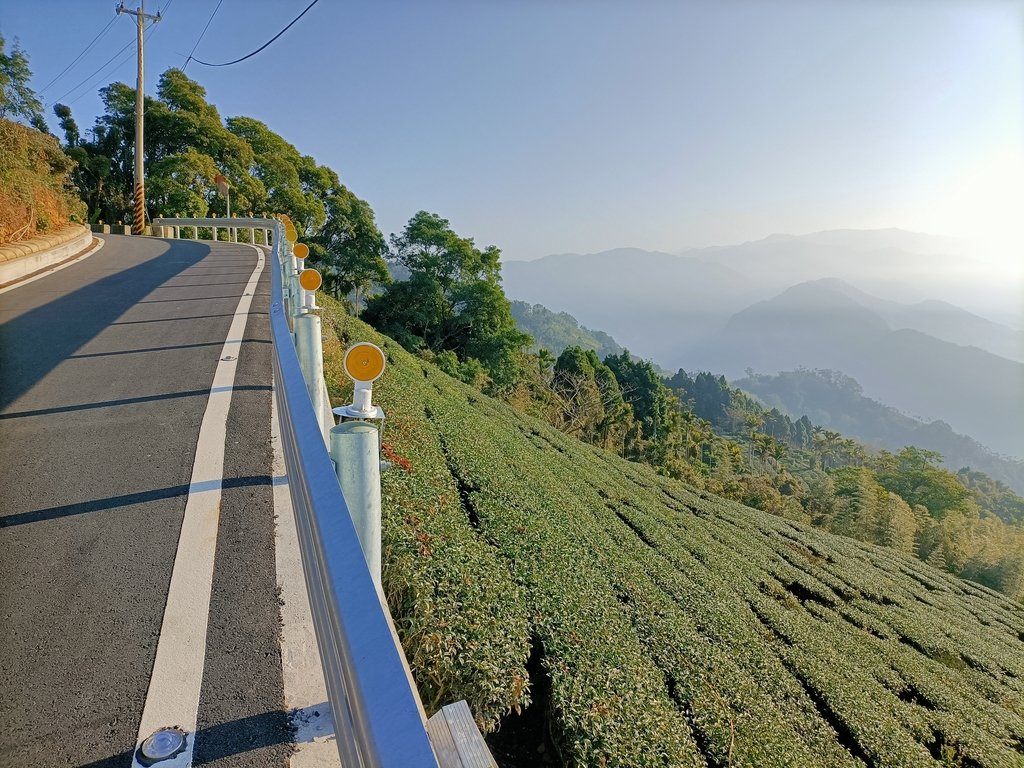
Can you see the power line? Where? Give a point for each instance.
(250, 55)
(107, 72)
(149, 33)
(90, 77)
(124, 60)
(201, 35)
(161, 13)
(80, 55)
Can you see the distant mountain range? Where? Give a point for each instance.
(837, 402)
(787, 302)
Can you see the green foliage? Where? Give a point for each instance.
(352, 246)
(188, 145)
(914, 475)
(993, 495)
(651, 400)
(670, 627)
(590, 402)
(17, 99)
(452, 301)
(176, 182)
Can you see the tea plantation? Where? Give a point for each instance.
(650, 625)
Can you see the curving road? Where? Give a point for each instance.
(106, 369)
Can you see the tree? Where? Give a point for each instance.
(67, 124)
(352, 261)
(591, 404)
(17, 99)
(452, 300)
(660, 435)
(177, 183)
(914, 474)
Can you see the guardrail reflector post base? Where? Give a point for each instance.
(311, 359)
(355, 448)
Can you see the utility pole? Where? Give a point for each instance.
(139, 208)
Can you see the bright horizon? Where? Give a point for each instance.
(583, 127)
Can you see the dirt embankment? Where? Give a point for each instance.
(37, 195)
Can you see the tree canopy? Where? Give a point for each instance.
(452, 302)
(188, 145)
(17, 99)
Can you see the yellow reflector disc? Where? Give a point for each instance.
(290, 234)
(301, 250)
(364, 361)
(310, 279)
(286, 219)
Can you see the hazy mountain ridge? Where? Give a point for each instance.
(727, 308)
(837, 402)
(634, 294)
(940, 319)
(554, 331)
(814, 326)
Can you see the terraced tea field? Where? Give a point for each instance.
(651, 625)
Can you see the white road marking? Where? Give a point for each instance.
(174, 687)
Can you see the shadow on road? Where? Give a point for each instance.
(70, 321)
(141, 497)
(125, 401)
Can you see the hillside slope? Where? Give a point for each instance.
(556, 331)
(36, 192)
(650, 625)
(834, 401)
(814, 325)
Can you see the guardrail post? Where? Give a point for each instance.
(311, 360)
(355, 448)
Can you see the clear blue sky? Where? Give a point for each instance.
(546, 127)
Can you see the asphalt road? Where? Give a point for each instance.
(105, 369)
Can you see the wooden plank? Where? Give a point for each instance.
(469, 742)
(441, 740)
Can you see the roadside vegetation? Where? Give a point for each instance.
(37, 193)
(606, 614)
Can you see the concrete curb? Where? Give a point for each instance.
(49, 265)
(19, 260)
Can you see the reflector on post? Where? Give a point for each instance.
(300, 251)
(364, 364)
(310, 279)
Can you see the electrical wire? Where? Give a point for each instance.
(79, 56)
(161, 13)
(100, 68)
(201, 35)
(148, 32)
(124, 60)
(250, 55)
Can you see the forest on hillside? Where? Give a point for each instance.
(837, 401)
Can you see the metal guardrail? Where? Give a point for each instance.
(377, 717)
